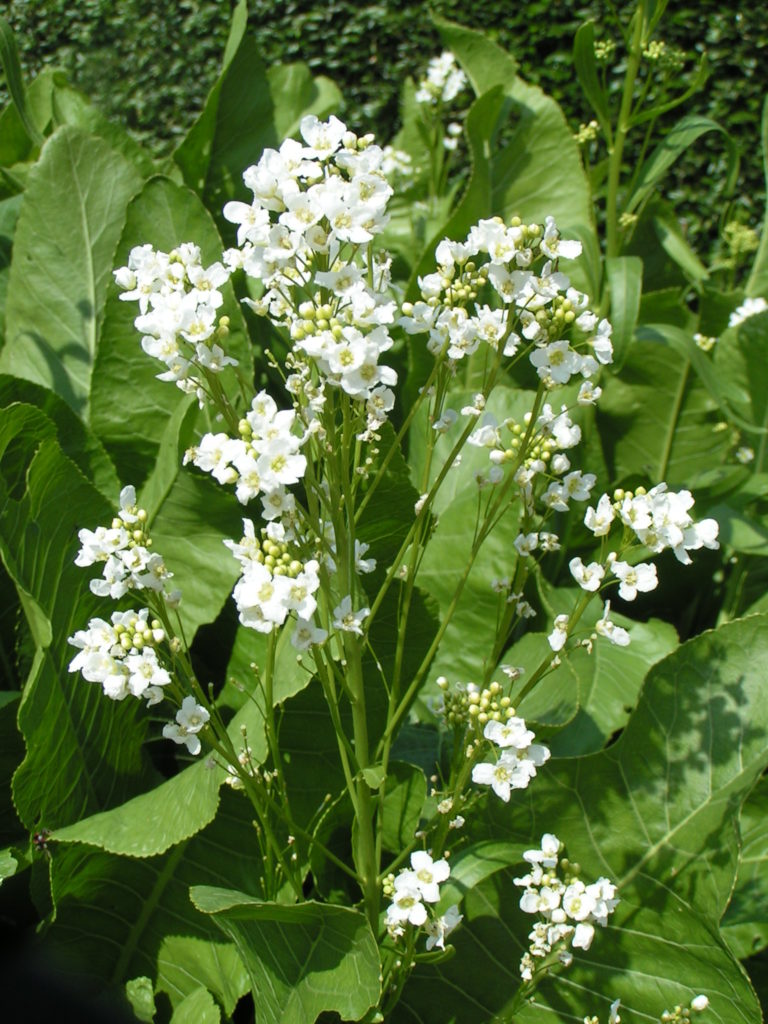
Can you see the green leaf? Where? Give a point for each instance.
(475, 200)
(11, 754)
(163, 215)
(591, 695)
(83, 750)
(308, 743)
(197, 1008)
(236, 124)
(677, 248)
(17, 151)
(745, 924)
(742, 372)
(72, 107)
(8, 864)
(757, 283)
(374, 775)
(673, 145)
(295, 93)
(9, 57)
(586, 72)
(142, 999)
(152, 822)
(121, 917)
(485, 63)
(302, 959)
(194, 152)
(403, 802)
(657, 421)
(70, 221)
(9, 214)
(539, 174)
(189, 530)
(625, 281)
(468, 640)
(75, 439)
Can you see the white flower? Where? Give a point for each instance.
(427, 874)
(190, 719)
(699, 1003)
(440, 928)
(406, 905)
(599, 520)
(345, 619)
(617, 636)
(634, 578)
(511, 733)
(589, 576)
(559, 634)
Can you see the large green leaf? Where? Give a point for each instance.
(163, 215)
(119, 918)
(9, 57)
(302, 959)
(11, 753)
(197, 1008)
(539, 173)
(75, 439)
(468, 640)
(70, 222)
(625, 281)
(149, 824)
(189, 530)
(475, 202)
(295, 93)
(9, 214)
(585, 64)
(757, 284)
(687, 131)
(745, 924)
(657, 813)
(82, 749)
(235, 126)
(72, 107)
(741, 368)
(23, 121)
(485, 63)
(591, 695)
(657, 420)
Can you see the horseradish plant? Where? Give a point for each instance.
(310, 460)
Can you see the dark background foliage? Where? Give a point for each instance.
(150, 65)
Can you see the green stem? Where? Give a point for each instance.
(616, 152)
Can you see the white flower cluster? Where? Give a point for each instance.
(537, 308)
(569, 908)
(121, 656)
(263, 461)
(748, 308)
(411, 890)
(659, 518)
(124, 547)
(179, 301)
(517, 761)
(443, 81)
(274, 583)
(316, 207)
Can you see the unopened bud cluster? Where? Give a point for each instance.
(682, 1014)
(464, 703)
